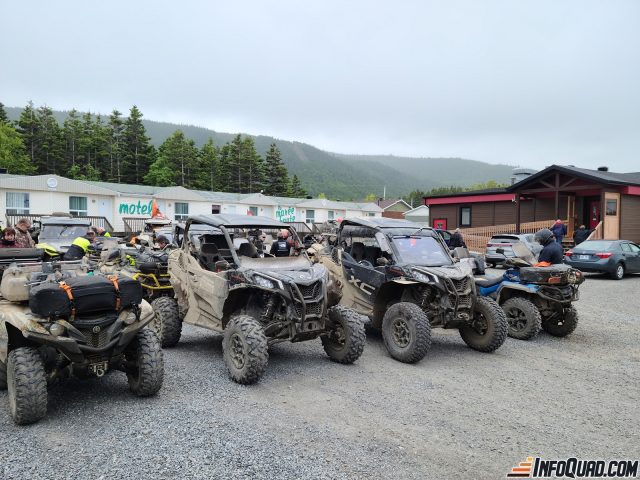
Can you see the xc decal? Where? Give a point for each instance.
(368, 289)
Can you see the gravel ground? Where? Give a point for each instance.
(458, 413)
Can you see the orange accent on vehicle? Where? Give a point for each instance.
(543, 264)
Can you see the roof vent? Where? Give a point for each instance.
(603, 169)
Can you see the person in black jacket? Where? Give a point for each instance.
(581, 234)
(552, 253)
(456, 240)
(281, 247)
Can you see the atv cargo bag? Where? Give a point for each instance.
(83, 295)
(555, 274)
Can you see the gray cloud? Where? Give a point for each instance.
(529, 83)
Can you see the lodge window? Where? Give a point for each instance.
(311, 216)
(612, 206)
(182, 211)
(17, 203)
(78, 206)
(465, 216)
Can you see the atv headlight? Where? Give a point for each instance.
(56, 329)
(423, 277)
(263, 281)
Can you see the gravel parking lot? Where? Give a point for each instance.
(458, 413)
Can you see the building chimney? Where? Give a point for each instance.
(603, 169)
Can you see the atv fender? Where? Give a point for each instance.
(508, 289)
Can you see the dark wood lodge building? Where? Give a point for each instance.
(576, 195)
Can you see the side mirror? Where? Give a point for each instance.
(222, 265)
(500, 250)
(381, 262)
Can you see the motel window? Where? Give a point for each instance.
(252, 211)
(17, 203)
(215, 209)
(78, 206)
(311, 216)
(331, 215)
(465, 216)
(370, 214)
(182, 211)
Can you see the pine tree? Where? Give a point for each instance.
(180, 155)
(49, 143)
(209, 174)
(137, 152)
(295, 188)
(115, 133)
(254, 167)
(3, 114)
(277, 176)
(28, 128)
(13, 155)
(72, 131)
(161, 173)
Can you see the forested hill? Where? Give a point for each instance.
(337, 175)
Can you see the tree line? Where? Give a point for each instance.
(117, 149)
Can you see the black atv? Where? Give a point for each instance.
(403, 277)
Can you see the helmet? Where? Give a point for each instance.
(543, 236)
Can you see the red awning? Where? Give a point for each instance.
(491, 197)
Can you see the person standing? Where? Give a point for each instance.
(456, 240)
(581, 235)
(23, 237)
(559, 230)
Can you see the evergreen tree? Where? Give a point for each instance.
(13, 155)
(180, 155)
(225, 169)
(114, 134)
(277, 176)
(253, 166)
(208, 177)
(137, 152)
(3, 114)
(295, 188)
(28, 128)
(49, 143)
(161, 173)
(72, 131)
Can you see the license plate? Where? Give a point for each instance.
(99, 369)
(584, 257)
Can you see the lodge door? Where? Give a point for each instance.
(594, 213)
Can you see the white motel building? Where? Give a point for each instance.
(120, 204)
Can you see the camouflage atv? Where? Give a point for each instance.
(58, 321)
(224, 284)
(403, 277)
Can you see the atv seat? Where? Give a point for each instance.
(247, 249)
(487, 281)
(209, 255)
(357, 251)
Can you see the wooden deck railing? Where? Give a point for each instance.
(597, 232)
(95, 221)
(476, 238)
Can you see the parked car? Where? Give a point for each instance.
(614, 257)
(505, 242)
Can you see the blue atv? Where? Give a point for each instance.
(534, 298)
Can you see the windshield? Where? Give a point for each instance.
(62, 231)
(419, 250)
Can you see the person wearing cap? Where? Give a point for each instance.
(162, 242)
(101, 232)
(8, 238)
(23, 237)
(78, 248)
(552, 253)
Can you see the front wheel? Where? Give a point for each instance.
(618, 273)
(245, 349)
(346, 338)
(561, 324)
(489, 327)
(145, 364)
(406, 332)
(523, 318)
(27, 385)
(166, 322)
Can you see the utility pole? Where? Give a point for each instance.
(384, 193)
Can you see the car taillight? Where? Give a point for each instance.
(568, 253)
(604, 254)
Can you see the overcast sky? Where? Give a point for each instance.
(529, 83)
